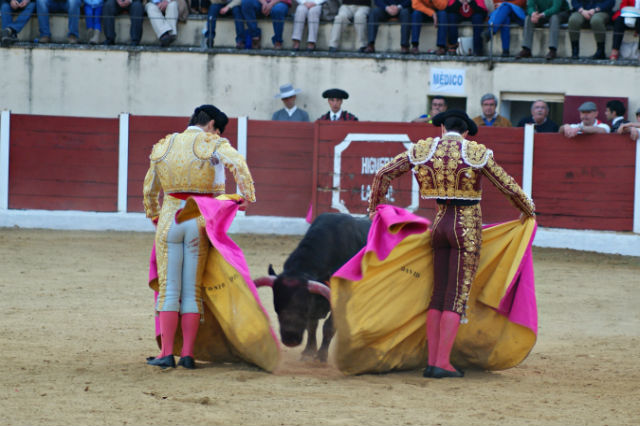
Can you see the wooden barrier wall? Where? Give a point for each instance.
(71, 163)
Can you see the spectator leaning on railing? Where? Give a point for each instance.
(632, 128)
(589, 122)
(592, 13)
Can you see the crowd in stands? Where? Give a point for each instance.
(542, 123)
(366, 16)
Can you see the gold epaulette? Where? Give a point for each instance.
(422, 151)
(161, 148)
(476, 154)
(206, 144)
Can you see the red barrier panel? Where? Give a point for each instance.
(144, 131)
(63, 163)
(279, 155)
(584, 183)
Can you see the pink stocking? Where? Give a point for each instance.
(433, 334)
(449, 323)
(190, 324)
(168, 327)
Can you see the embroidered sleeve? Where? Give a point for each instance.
(508, 186)
(394, 168)
(151, 192)
(238, 166)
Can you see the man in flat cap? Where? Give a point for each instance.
(184, 164)
(456, 236)
(290, 112)
(589, 122)
(335, 98)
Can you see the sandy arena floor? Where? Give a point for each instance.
(78, 323)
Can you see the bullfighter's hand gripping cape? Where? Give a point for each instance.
(236, 326)
(380, 298)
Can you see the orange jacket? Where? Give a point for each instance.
(428, 7)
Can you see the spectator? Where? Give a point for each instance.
(277, 9)
(434, 9)
(383, 11)
(355, 11)
(222, 7)
(335, 98)
(10, 28)
(462, 10)
(115, 7)
(632, 128)
(93, 17)
(539, 13)
(290, 112)
(163, 15)
(438, 105)
(307, 10)
(505, 12)
(590, 13)
(615, 114)
(621, 23)
(589, 122)
(71, 7)
(490, 116)
(540, 118)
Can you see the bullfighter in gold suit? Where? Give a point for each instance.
(184, 164)
(449, 169)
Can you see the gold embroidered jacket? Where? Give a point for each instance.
(450, 167)
(193, 161)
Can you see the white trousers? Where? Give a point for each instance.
(313, 16)
(347, 13)
(161, 23)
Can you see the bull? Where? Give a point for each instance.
(301, 296)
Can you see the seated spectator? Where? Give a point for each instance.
(355, 11)
(620, 24)
(490, 116)
(540, 12)
(112, 8)
(383, 11)
(10, 27)
(434, 10)
(307, 10)
(222, 7)
(199, 7)
(290, 112)
(93, 18)
(163, 16)
(505, 12)
(615, 114)
(70, 7)
(589, 122)
(540, 118)
(590, 13)
(463, 10)
(632, 128)
(277, 9)
(438, 105)
(335, 113)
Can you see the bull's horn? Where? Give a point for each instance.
(265, 281)
(322, 289)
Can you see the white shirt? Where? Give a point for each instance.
(335, 115)
(291, 111)
(597, 123)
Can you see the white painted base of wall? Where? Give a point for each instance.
(627, 244)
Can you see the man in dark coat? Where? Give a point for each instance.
(335, 98)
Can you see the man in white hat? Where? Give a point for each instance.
(290, 112)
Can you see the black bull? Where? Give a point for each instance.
(301, 296)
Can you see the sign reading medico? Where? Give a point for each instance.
(447, 80)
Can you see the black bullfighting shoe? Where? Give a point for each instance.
(187, 362)
(440, 373)
(164, 362)
(428, 372)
